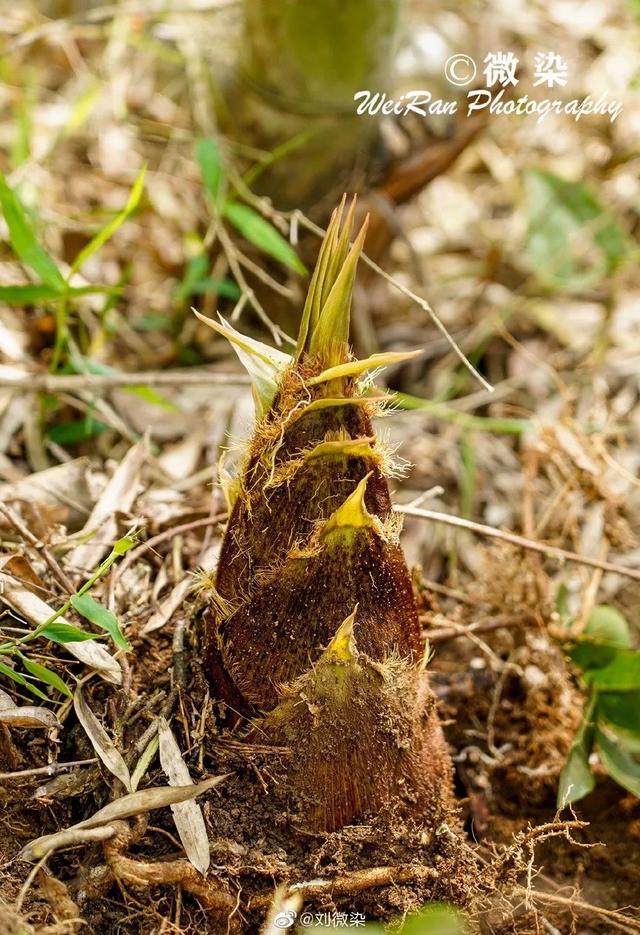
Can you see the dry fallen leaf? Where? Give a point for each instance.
(25, 715)
(62, 489)
(168, 607)
(187, 816)
(126, 807)
(117, 497)
(100, 740)
(21, 568)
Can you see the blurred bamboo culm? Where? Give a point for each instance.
(292, 92)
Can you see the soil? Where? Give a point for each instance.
(505, 837)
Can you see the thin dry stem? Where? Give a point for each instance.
(520, 541)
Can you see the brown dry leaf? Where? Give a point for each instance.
(117, 497)
(61, 492)
(187, 816)
(100, 740)
(36, 611)
(168, 607)
(135, 803)
(26, 715)
(22, 569)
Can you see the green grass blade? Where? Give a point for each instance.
(28, 293)
(210, 163)
(107, 232)
(43, 674)
(24, 242)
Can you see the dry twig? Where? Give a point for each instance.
(520, 541)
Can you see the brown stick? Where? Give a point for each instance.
(69, 383)
(50, 770)
(491, 532)
(480, 626)
(161, 537)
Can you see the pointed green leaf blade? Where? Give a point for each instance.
(107, 232)
(19, 679)
(45, 675)
(28, 293)
(95, 613)
(65, 633)
(262, 234)
(210, 163)
(24, 242)
(576, 778)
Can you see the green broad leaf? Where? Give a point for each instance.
(24, 242)
(262, 234)
(210, 163)
(589, 656)
(435, 920)
(607, 625)
(65, 633)
(43, 674)
(621, 674)
(74, 431)
(620, 764)
(572, 241)
(576, 779)
(107, 232)
(123, 545)
(95, 613)
(621, 711)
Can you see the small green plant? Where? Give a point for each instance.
(247, 221)
(61, 632)
(610, 725)
(572, 241)
(53, 287)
